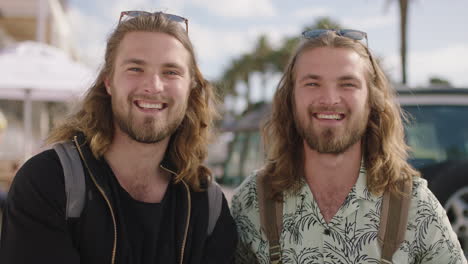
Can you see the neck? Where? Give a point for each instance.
(331, 176)
(135, 164)
(325, 171)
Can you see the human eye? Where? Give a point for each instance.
(349, 85)
(135, 69)
(311, 84)
(172, 73)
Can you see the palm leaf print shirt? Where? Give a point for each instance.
(351, 236)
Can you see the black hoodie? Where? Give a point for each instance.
(35, 230)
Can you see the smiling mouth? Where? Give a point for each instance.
(334, 116)
(150, 106)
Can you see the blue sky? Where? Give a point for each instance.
(222, 30)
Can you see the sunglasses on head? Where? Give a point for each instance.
(125, 15)
(347, 33)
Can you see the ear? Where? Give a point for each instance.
(108, 86)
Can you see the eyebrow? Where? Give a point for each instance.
(143, 62)
(348, 78)
(173, 65)
(134, 61)
(317, 77)
(310, 76)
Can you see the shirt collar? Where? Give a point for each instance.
(360, 188)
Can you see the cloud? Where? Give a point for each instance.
(109, 10)
(215, 48)
(238, 8)
(213, 44)
(91, 30)
(311, 12)
(367, 23)
(275, 33)
(443, 62)
(90, 35)
(173, 6)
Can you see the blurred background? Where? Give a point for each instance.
(51, 50)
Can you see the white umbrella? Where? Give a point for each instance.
(35, 71)
(46, 72)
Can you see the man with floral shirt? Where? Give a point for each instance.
(335, 144)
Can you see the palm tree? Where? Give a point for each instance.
(403, 36)
(238, 72)
(403, 8)
(323, 23)
(280, 57)
(226, 84)
(246, 67)
(262, 63)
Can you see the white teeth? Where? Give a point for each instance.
(150, 106)
(329, 116)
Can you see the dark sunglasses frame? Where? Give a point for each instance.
(347, 33)
(136, 13)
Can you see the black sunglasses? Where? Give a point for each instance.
(125, 15)
(347, 33)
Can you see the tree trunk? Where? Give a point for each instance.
(264, 86)
(403, 27)
(248, 92)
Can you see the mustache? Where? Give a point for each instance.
(338, 109)
(156, 97)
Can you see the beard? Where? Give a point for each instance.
(330, 140)
(151, 130)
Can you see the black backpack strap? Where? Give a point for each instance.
(271, 218)
(215, 203)
(394, 220)
(75, 187)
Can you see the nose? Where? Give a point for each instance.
(154, 84)
(329, 95)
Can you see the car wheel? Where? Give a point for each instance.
(457, 212)
(450, 186)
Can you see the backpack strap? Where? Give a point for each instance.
(75, 187)
(271, 217)
(393, 220)
(215, 203)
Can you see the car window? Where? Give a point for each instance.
(437, 133)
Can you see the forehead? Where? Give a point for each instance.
(153, 47)
(330, 63)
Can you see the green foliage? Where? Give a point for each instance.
(438, 81)
(323, 23)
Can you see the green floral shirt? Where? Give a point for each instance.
(351, 236)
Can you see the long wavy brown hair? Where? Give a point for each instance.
(188, 145)
(384, 148)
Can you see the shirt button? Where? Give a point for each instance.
(326, 232)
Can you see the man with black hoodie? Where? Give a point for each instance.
(142, 133)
